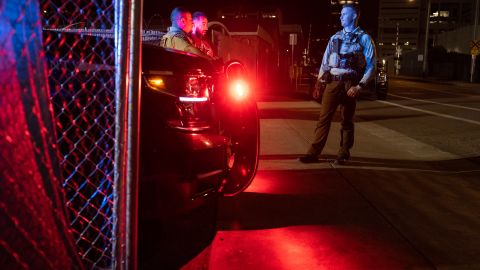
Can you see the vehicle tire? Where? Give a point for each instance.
(382, 93)
(244, 136)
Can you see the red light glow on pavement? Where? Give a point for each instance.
(303, 247)
(267, 184)
(305, 219)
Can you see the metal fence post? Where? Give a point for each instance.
(127, 29)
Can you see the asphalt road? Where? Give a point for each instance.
(408, 199)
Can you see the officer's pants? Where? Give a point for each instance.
(335, 94)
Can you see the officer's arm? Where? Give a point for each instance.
(192, 49)
(370, 59)
(183, 45)
(324, 66)
(320, 84)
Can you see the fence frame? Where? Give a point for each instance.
(127, 31)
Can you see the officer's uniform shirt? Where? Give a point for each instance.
(357, 42)
(202, 44)
(177, 39)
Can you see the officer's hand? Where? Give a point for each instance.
(354, 91)
(318, 89)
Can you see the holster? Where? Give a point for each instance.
(320, 85)
(319, 88)
(326, 78)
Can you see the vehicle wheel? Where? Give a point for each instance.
(243, 150)
(382, 93)
(382, 96)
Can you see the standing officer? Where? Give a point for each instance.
(199, 33)
(348, 65)
(178, 34)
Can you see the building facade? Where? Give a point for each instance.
(398, 26)
(402, 23)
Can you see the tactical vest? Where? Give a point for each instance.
(353, 59)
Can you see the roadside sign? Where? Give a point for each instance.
(475, 47)
(293, 39)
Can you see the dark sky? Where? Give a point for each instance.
(299, 11)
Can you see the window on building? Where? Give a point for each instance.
(441, 14)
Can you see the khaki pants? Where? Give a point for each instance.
(335, 94)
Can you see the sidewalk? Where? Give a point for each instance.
(307, 216)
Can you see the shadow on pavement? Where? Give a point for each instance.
(439, 166)
(294, 197)
(313, 114)
(170, 244)
(409, 207)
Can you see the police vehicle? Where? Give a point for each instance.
(199, 134)
(199, 141)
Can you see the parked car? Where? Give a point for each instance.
(381, 81)
(378, 87)
(199, 132)
(199, 140)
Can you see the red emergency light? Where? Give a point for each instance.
(239, 90)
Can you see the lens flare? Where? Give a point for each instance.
(239, 90)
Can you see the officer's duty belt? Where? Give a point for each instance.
(344, 77)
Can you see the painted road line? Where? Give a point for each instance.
(438, 103)
(431, 113)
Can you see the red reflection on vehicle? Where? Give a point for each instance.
(243, 171)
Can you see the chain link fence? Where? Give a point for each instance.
(81, 73)
(34, 233)
(67, 186)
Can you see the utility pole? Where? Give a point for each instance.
(474, 56)
(398, 51)
(293, 69)
(308, 43)
(425, 49)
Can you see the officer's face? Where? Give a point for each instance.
(347, 16)
(201, 25)
(186, 23)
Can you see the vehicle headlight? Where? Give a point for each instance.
(155, 83)
(193, 93)
(189, 87)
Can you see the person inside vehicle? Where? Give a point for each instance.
(199, 33)
(348, 65)
(178, 35)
